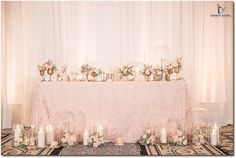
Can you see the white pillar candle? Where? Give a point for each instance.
(41, 138)
(49, 135)
(214, 138)
(85, 137)
(217, 132)
(100, 132)
(17, 132)
(163, 136)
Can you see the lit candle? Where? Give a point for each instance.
(49, 135)
(163, 136)
(86, 137)
(17, 132)
(214, 138)
(41, 138)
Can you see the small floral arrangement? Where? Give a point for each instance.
(50, 65)
(169, 69)
(95, 72)
(23, 141)
(126, 71)
(147, 70)
(95, 140)
(148, 138)
(199, 137)
(158, 70)
(177, 65)
(41, 67)
(68, 139)
(179, 139)
(85, 68)
(62, 74)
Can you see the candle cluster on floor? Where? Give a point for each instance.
(46, 137)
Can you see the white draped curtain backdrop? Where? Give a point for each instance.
(116, 33)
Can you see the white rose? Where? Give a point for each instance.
(63, 140)
(148, 131)
(144, 136)
(185, 142)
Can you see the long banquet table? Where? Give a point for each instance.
(124, 109)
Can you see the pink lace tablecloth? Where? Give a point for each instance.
(124, 109)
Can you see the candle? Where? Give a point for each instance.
(217, 132)
(214, 138)
(17, 132)
(163, 136)
(49, 135)
(86, 137)
(41, 138)
(100, 132)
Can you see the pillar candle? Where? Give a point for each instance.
(49, 135)
(41, 138)
(17, 132)
(163, 136)
(100, 132)
(85, 137)
(214, 138)
(217, 132)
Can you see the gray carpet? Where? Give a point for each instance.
(105, 149)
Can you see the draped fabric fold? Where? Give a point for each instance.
(115, 33)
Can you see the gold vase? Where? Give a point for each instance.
(42, 73)
(50, 72)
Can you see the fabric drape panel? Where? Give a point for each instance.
(115, 33)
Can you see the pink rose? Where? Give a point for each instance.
(96, 145)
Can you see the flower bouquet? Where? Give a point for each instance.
(62, 74)
(68, 140)
(127, 72)
(95, 140)
(177, 67)
(147, 72)
(51, 68)
(42, 70)
(158, 73)
(23, 141)
(85, 69)
(94, 72)
(179, 139)
(168, 72)
(148, 138)
(198, 137)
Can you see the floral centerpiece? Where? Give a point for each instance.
(168, 72)
(24, 141)
(178, 138)
(85, 69)
(95, 140)
(62, 74)
(148, 138)
(94, 72)
(42, 70)
(147, 72)
(127, 72)
(51, 68)
(198, 137)
(68, 139)
(158, 73)
(177, 66)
